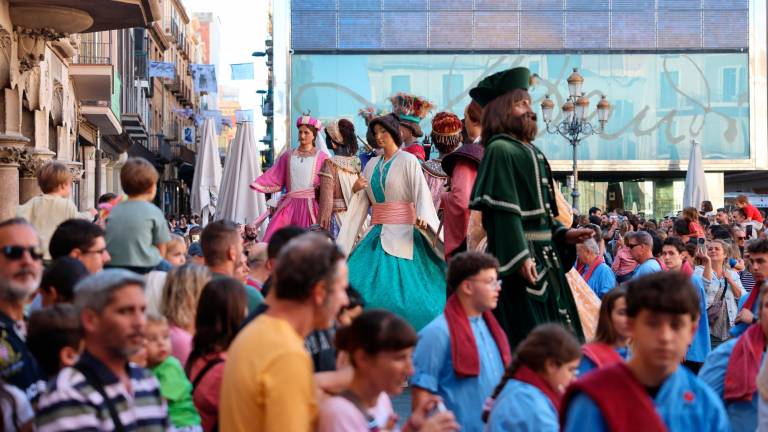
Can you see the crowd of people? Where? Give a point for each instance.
(464, 280)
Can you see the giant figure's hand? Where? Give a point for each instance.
(528, 271)
(578, 235)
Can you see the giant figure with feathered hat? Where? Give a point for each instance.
(410, 111)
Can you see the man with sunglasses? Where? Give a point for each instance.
(461, 355)
(20, 272)
(640, 245)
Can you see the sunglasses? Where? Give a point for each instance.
(16, 252)
(632, 246)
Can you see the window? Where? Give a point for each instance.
(730, 84)
(453, 85)
(668, 81)
(401, 83)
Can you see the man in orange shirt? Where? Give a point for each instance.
(268, 384)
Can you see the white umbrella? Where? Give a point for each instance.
(237, 201)
(205, 185)
(695, 181)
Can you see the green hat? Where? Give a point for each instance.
(500, 83)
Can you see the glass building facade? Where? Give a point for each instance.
(674, 70)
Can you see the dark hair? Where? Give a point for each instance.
(63, 274)
(303, 262)
(73, 234)
(348, 146)
(598, 236)
(706, 206)
(374, 331)
(594, 219)
(465, 265)
(719, 232)
(605, 332)
(216, 239)
(681, 227)
(741, 211)
(391, 124)
(676, 243)
(107, 197)
(281, 237)
(220, 313)
(355, 298)
(667, 292)
(545, 342)
(759, 246)
(593, 210)
(138, 176)
(691, 247)
(50, 330)
(496, 117)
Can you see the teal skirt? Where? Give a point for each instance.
(413, 289)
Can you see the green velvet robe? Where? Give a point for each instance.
(515, 192)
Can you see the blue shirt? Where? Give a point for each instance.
(701, 345)
(521, 407)
(602, 279)
(433, 371)
(703, 412)
(646, 268)
(586, 365)
(743, 415)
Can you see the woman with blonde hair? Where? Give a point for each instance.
(723, 288)
(181, 292)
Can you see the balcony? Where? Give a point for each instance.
(102, 117)
(83, 16)
(92, 68)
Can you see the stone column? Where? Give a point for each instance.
(9, 180)
(28, 167)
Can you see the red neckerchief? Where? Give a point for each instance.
(744, 365)
(628, 410)
(528, 376)
(601, 354)
(587, 276)
(464, 355)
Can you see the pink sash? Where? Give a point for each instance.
(588, 275)
(394, 212)
(307, 194)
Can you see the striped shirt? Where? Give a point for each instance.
(71, 403)
(747, 280)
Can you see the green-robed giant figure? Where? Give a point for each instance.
(514, 191)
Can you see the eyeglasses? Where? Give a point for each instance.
(741, 238)
(495, 283)
(632, 246)
(16, 252)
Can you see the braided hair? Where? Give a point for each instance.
(545, 342)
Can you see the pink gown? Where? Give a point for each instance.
(299, 176)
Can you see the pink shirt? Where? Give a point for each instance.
(181, 344)
(623, 263)
(338, 414)
(206, 394)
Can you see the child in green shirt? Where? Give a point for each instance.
(174, 385)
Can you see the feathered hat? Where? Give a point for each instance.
(308, 120)
(446, 131)
(411, 110)
(369, 113)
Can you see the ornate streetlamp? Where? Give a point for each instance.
(575, 127)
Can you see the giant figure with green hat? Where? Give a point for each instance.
(515, 192)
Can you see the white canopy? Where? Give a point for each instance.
(205, 185)
(695, 181)
(238, 202)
